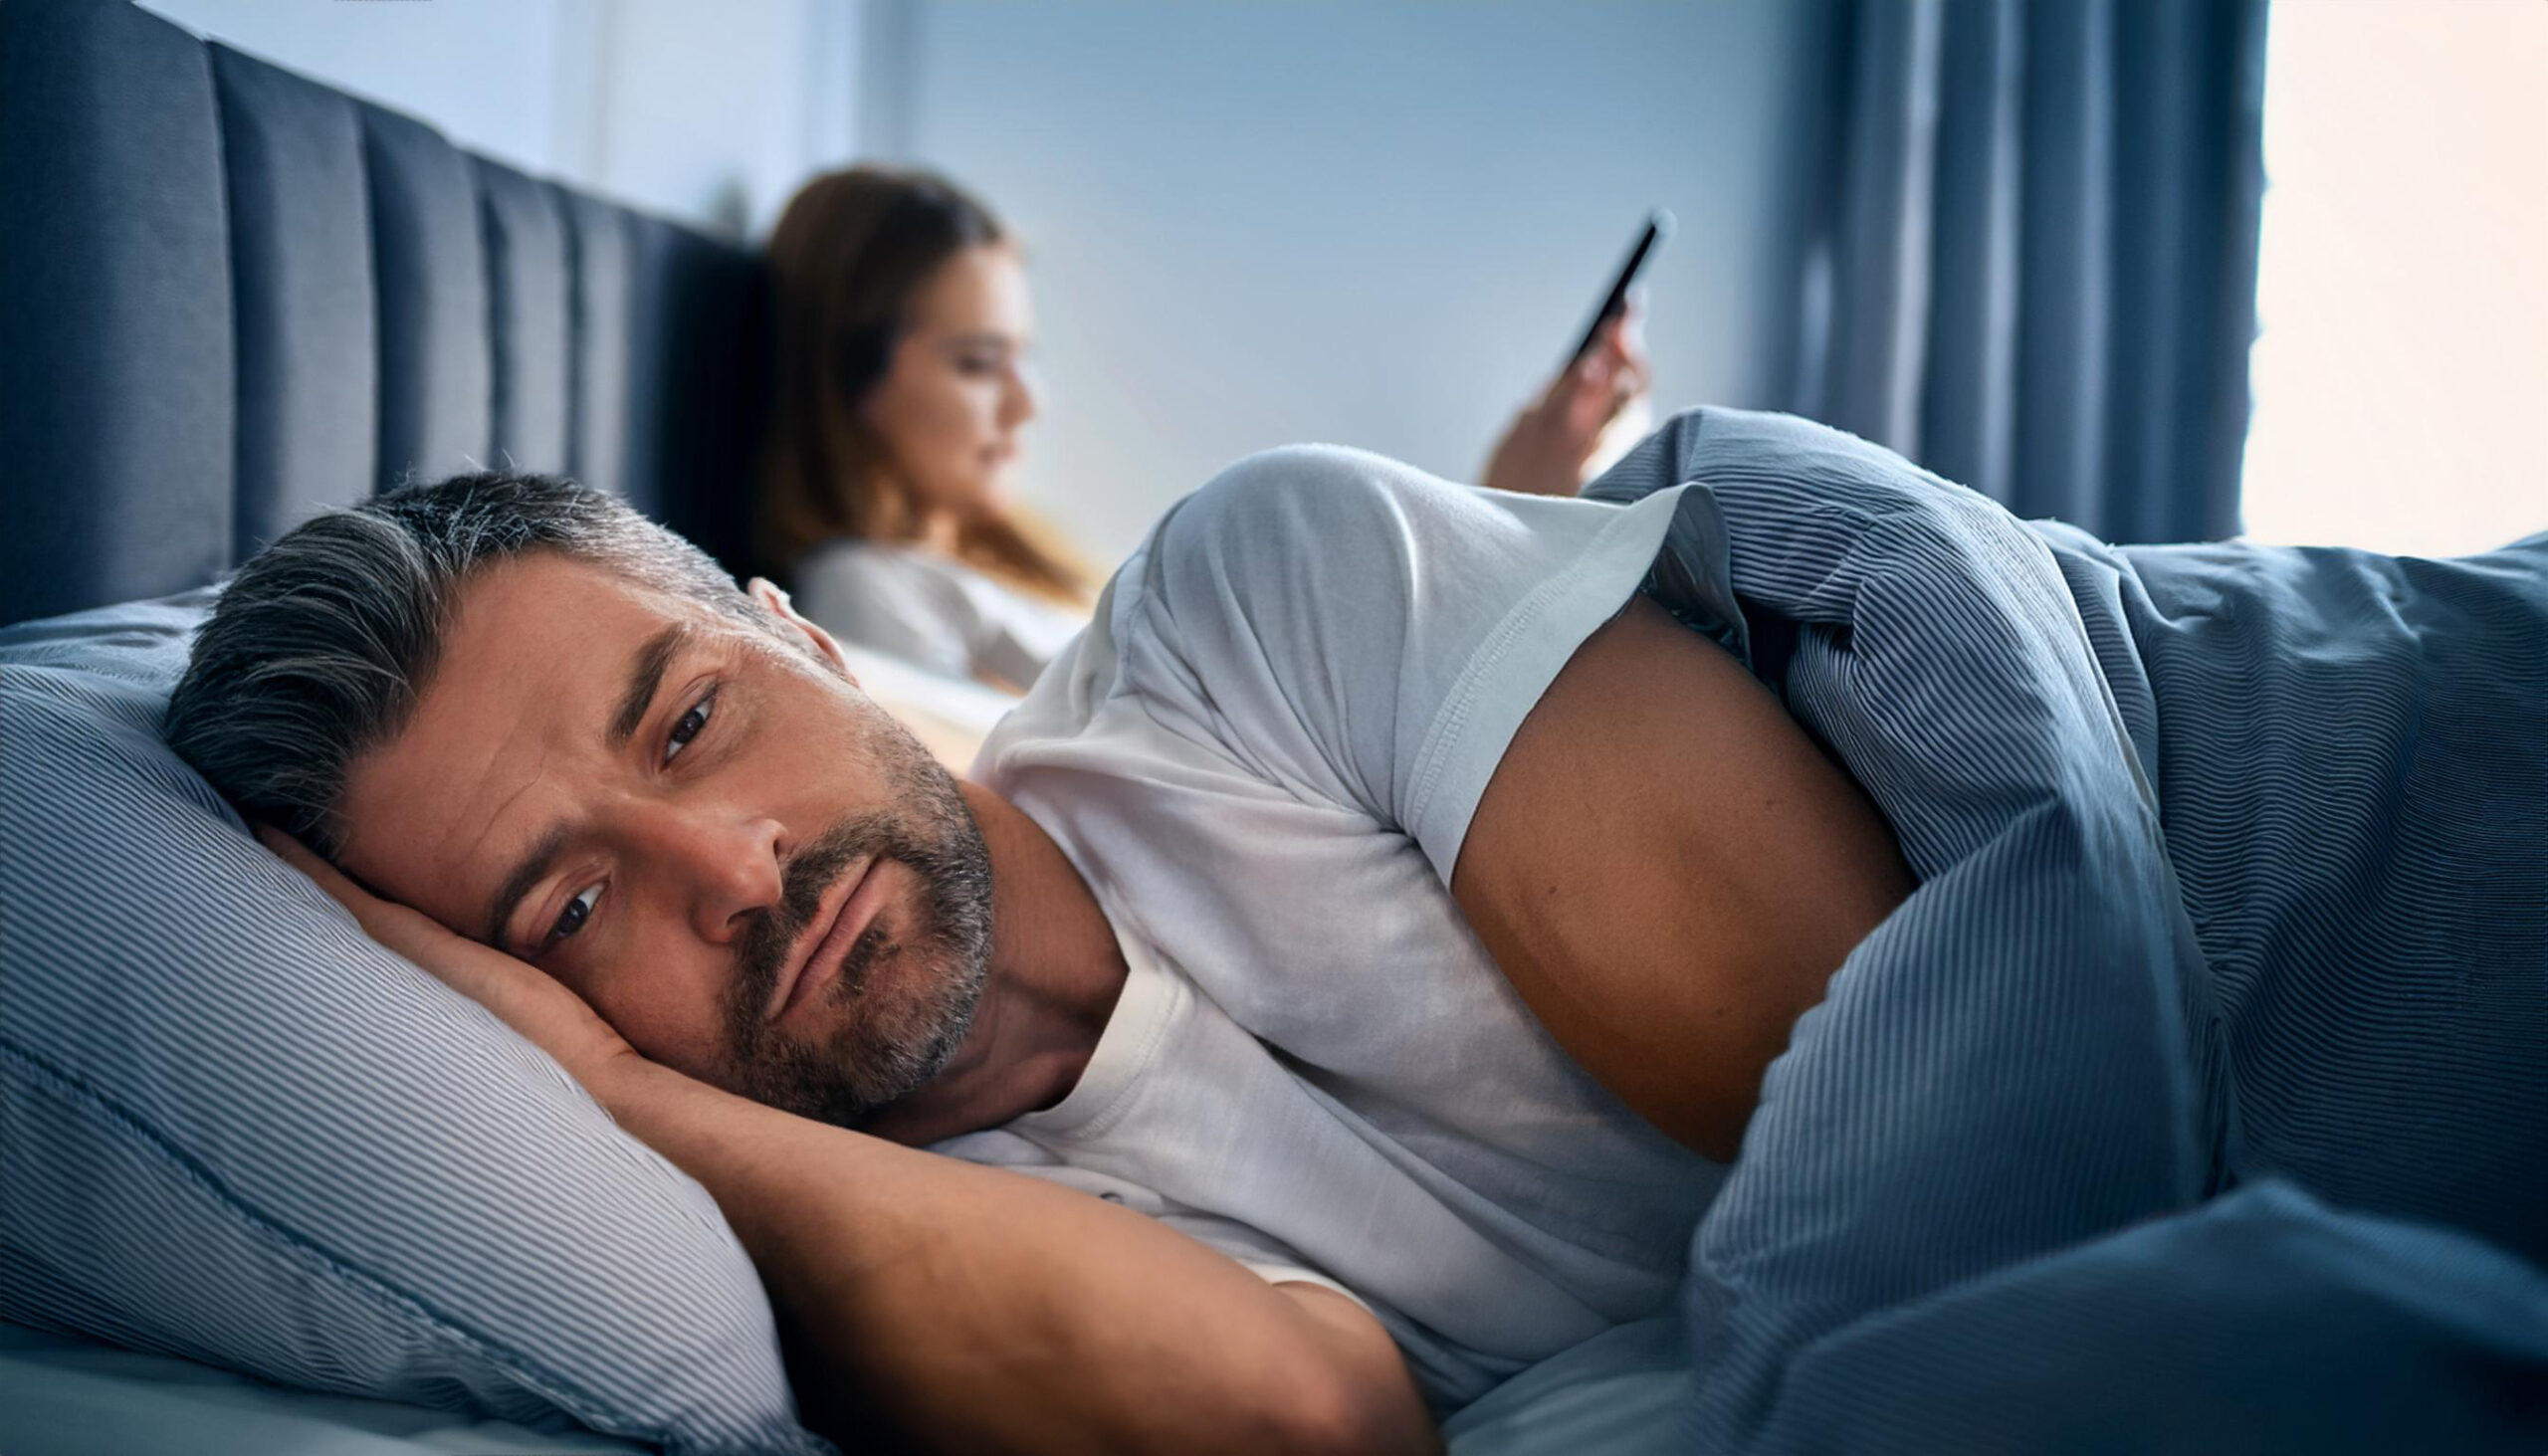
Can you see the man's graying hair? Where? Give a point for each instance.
(320, 648)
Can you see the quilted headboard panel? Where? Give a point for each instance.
(230, 296)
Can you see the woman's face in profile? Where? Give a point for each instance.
(956, 393)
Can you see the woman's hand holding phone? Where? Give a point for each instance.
(1545, 450)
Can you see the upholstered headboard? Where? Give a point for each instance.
(230, 296)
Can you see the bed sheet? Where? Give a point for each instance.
(1615, 1394)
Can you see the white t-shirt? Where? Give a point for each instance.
(929, 609)
(1263, 755)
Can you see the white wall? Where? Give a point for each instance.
(706, 113)
(1380, 224)
(1249, 223)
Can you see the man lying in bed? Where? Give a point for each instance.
(1384, 911)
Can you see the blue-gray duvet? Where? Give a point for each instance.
(2198, 1099)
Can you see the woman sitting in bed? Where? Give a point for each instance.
(903, 329)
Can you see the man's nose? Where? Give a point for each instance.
(726, 867)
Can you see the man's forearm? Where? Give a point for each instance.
(983, 1310)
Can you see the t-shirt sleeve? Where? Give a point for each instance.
(1368, 635)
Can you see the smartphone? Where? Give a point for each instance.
(1658, 226)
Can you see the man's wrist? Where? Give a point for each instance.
(640, 1094)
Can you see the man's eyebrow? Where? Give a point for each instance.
(645, 675)
(535, 867)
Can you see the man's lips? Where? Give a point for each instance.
(828, 940)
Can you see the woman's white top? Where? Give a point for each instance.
(930, 610)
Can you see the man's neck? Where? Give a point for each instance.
(1055, 973)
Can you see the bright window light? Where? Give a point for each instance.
(2400, 380)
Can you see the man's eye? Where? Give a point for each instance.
(690, 727)
(573, 918)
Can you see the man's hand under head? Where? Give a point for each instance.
(969, 1308)
(551, 1017)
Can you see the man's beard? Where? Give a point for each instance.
(886, 1047)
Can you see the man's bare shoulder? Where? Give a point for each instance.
(1668, 868)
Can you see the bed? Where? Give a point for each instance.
(1613, 1395)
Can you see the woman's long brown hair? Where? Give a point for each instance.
(849, 253)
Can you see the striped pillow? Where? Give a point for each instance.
(239, 1132)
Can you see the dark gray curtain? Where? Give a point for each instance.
(2034, 259)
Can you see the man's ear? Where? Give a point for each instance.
(780, 605)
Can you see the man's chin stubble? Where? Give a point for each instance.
(892, 1040)
(889, 1045)
(904, 1002)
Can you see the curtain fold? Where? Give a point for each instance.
(2033, 265)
